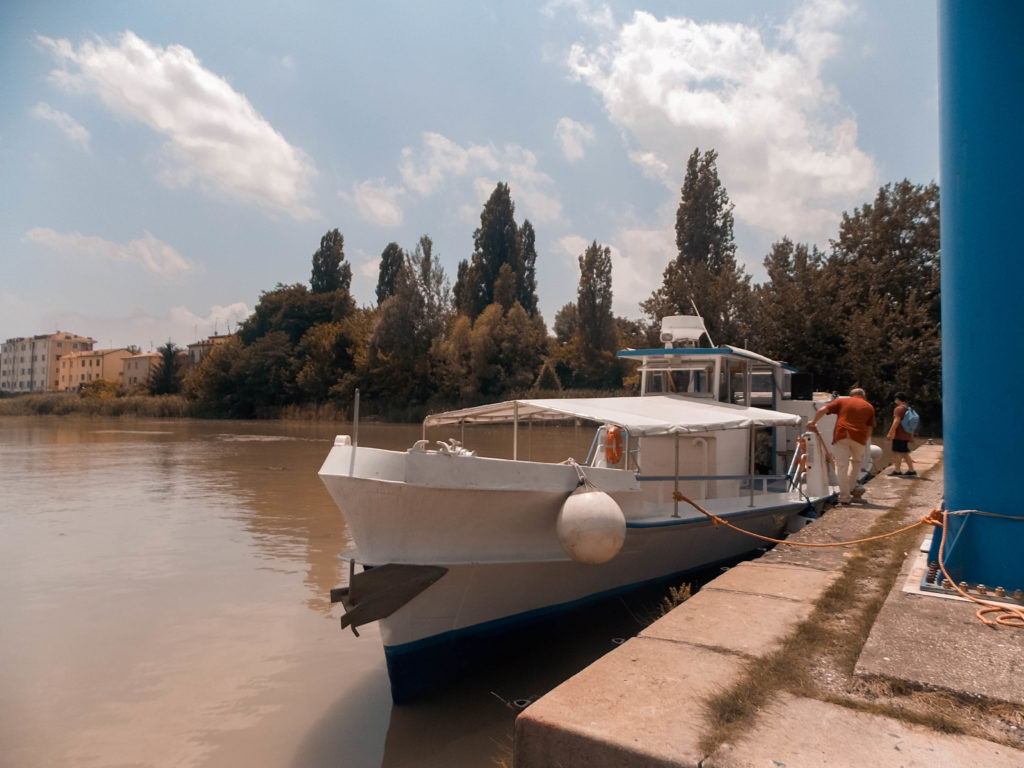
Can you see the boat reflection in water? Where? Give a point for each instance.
(460, 552)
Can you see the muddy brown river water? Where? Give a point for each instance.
(164, 602)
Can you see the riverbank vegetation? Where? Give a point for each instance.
(864, 312)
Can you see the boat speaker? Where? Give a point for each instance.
(802, 386)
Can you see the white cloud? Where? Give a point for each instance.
(639, 258)
(378, 203)
(600, 17)
(572, 136)
(67, 124)
(214, 135)
(572, 247)
(369, 268)
(218, 319)
(155, 255)
(638, 263)
(671, 85)
(426, 168)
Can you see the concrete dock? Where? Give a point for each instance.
(929, 684)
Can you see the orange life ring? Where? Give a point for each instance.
(613, 445)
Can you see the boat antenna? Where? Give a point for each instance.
(698, 314)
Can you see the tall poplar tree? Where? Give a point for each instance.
(498, 242)
(391, 260)
(705, 274)
(596, 323)
(330, 270)
(526, 284)
(595, 332)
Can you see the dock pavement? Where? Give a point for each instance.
(930, 685)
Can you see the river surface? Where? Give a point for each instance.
(164, 601)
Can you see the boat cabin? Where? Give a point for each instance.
(725, 374)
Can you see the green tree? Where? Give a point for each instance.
(496, 242)
(330, 270)
(167, 375)
(868, 314)
(434, 285)
(321, 360)
(596, 365)
(212, 384)
(594, 298)
(499, 353)
(288, 308)
(795, 318)
(526, 287)
(567, 320)
(294, 310)
(884, 284)
(411, 323)
(264, 376)
(505, 287)
(705, 274)
(391, 261)
(395, 349)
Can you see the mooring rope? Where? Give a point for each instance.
(1008, 615)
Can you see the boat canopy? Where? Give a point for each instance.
(648, 416)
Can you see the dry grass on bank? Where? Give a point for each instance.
(818, 659)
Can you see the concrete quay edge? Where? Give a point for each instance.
(641, 705)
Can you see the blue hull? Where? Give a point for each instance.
(431, 665)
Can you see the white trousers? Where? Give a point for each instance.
(848, 455)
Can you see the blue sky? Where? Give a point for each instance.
(162, 164)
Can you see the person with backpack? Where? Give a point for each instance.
(904, 423)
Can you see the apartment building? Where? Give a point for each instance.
(200, 349)
(80, 368)
(32, 363)
(137, 369)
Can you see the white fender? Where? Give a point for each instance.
(591, 526)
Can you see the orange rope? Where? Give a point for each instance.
(1009, 616)
(928, 519)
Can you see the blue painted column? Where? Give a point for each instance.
(982, 218)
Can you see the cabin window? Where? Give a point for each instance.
(762, 388)
(689, 382)
(655, 382)
(682, 381)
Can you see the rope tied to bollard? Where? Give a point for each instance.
(1007, 615)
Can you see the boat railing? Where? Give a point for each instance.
(798, 464)
(760, 483)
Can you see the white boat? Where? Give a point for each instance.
(456, 549)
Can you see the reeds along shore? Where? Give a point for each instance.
(147, 406)
(70, 403)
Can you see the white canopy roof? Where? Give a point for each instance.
(641, 416)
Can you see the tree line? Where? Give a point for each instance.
(864, 312)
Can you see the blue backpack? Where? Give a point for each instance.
(910, 421)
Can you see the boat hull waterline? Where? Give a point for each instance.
(488, 528)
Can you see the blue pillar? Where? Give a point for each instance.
(982, 207)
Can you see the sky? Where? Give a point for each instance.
(163, 164)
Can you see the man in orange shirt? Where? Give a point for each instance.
(854, 422)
